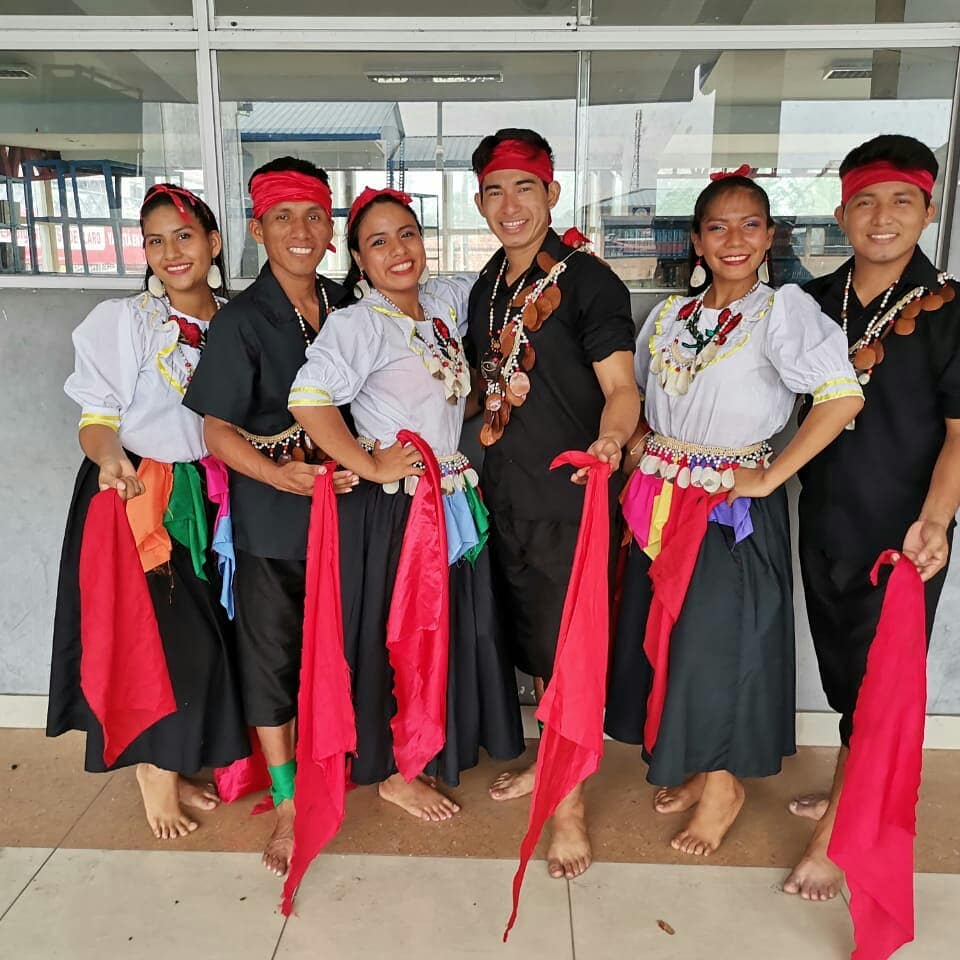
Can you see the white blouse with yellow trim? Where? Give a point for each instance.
(130, 374)
(367, 355)
(784, 347)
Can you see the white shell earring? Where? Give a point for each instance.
(361, 288)
(214, 277)
(763, 274)
(425, 275)
(155, 286)
(698, 276)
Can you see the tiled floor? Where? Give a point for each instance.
(80, 876)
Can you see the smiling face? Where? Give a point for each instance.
(390, 249)
(295, 235)
(516, 205)
(883, 222)
(179, 253)
(734, 236)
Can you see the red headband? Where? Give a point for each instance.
(744, 170)
(288, 186)
(369, 194)
(176, 194)
(881, 171)
(519, 155)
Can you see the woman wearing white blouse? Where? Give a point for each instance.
(134, 359)
(396, 357)
(705, 631)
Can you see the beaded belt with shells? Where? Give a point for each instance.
(455, 471)
(698, 465)
(290, 444)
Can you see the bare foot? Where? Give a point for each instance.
(811, 806)
(569, 853)
(162, 804)
(418, 798)
(512, 784)
(193, 795)
(279, 848)
(816, 876)
(719, 807)
(678, 799)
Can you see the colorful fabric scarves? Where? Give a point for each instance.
(418, 625)
(876, 824)
(670, 574)
(123, 670)
(326, 726)
(571, 710)
(218, 492)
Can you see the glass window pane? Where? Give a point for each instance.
(80, 138)
(389, 8)
(389, 118)
(97, 8)
(658, 123)
(771, 12)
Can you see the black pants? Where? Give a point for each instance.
(843, 608)
(269, 603)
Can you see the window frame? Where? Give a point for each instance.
(206, 34)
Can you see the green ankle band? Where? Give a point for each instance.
(281, 781)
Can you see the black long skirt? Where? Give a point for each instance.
(482, 704)
(207, 729)
(731, 691)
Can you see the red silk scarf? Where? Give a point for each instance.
(418, 626)
(519, 155)
(123, 669)
(326, 730)
(418, 640)
(571, 710)
(670, 574)
(876, 824)
(882, 172)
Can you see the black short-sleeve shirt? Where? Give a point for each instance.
(254, 349)
(562, 411)
(864, 490)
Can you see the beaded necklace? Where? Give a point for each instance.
(503, 374)
(868, 352)
(446, 361)
(308, 332)
(676, 369)
(182, 339)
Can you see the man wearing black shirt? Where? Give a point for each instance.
(893, 478)
(577, 390)
(254, 350)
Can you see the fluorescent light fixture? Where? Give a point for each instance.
(849, 70)
(430, 76)
(16, 72)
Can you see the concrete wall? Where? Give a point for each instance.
(39, 456)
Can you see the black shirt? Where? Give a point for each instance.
(563, 408)
(864, 490)
(253, 352)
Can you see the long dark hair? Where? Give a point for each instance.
(713, 190)
(157, 197)
(353, 238)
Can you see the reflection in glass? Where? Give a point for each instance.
(390, 8)
(81, 136)
(97, 8)
(769, 12)
(414, 130)
(658, 123)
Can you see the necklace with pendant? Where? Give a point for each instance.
(443, 356)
